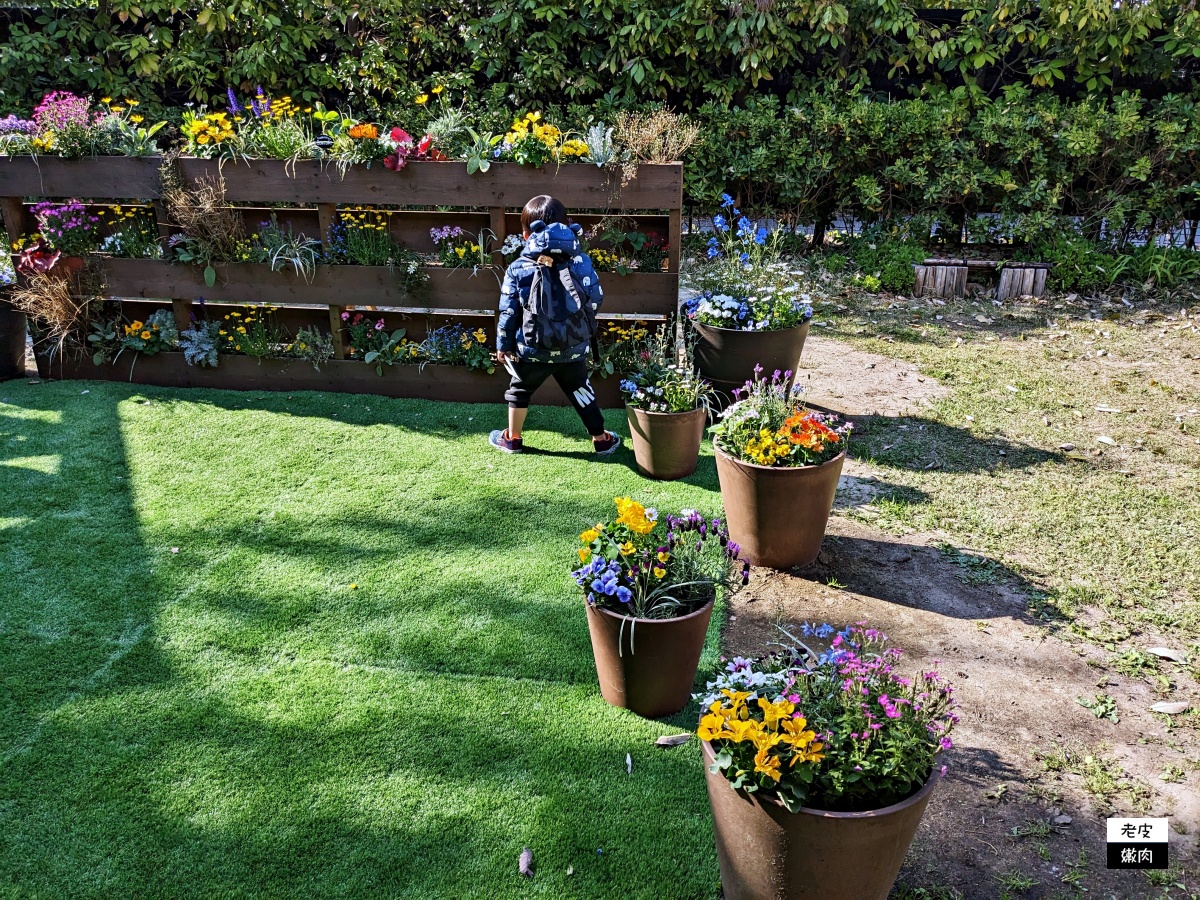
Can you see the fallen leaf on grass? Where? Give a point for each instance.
(673, 740)
(1171, 709)
(1107, 409)
(1167, 653)
(525, 863)
(570, 871)
(628, 764)
(1066, 446)
(1105, 439)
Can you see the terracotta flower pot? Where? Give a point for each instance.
(666, 445)
(727, 356)
(777, 514)
(647, 665)
(768, 853)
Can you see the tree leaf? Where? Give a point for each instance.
(210, 275)
(1170, 709)
(673, 740)
(1167, 653)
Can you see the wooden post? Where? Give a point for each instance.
(498, 234)
(183, 313)
(327, 213)
(674, 239)
(335, 325)
(12, 320)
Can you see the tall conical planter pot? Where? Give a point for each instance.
(768, 853)
(777, 514)
(647, 665)
(726, 357)
(666, 445)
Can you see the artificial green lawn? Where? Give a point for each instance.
(235, 719)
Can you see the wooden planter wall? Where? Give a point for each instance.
(432, 195)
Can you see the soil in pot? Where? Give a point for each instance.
(727, 356)
(647, 665)
(666, 445)
(777, 514)
(768, 853)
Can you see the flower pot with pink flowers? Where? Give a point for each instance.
(820, 764)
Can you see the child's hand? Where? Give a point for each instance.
(503, 357)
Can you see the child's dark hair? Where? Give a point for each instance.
(543, 207)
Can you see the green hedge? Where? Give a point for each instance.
(682, 52)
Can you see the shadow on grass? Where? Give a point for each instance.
(953, 582)
(188, 758)
(922, 444)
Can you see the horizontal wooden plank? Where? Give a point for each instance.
(651, 294)
(445, 383)
(579, 186)
(101, 178)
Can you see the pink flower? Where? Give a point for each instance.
(345, 317)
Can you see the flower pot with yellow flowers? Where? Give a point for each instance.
(650, 585)
(820, 765)
(778, 465)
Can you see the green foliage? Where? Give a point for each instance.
(886, 258)
(200, 343)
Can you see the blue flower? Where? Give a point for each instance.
(745, 257)
(234, 106)
(713, 252)
(719, 223)
(726, 200)
(760, 236)
(624, 594)
(745, 226)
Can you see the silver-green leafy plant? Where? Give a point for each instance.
(200, 344)
(314, 345)
(601, 149)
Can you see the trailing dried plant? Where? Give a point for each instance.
(660, 136)
(211, 229)
(59, 304)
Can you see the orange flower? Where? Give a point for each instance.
(364, 131)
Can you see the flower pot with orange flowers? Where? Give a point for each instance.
(650, 584)
(778, 465)
(820, 765)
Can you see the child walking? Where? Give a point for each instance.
(547, 323)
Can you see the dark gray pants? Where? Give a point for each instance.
(572, 377)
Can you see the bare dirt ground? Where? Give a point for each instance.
(1034, 774)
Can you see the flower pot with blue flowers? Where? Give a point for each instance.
(650, 585)
(820, 765)
(667, 405)
(778, 465)
(747, 307)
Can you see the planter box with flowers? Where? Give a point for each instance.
(819, 766)
(334, 167)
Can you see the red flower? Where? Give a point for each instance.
(424, 144)
(395, 162)
(437, 155)
(400, 136)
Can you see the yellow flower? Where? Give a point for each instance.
(132, 102)
(627, 548)
(353, 586)
(773, 712)
(659, 573)
(767, 765)
(145, 335)
(135, 119)
(584, 553)
(590, 535)
(106, 99)
(712, 727)
(663, 556)
(480, 335)
(437, 90)
(422, 99)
